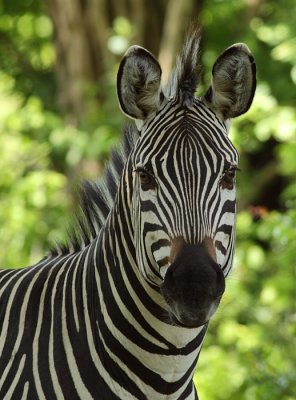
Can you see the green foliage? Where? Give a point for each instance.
(30, 192)
(120, 37)
(43, 155)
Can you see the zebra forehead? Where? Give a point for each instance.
(183, 131)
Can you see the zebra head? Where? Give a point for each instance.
(182, 171)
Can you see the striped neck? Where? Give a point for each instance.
(152, 358)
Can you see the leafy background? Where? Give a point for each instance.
(48, 143)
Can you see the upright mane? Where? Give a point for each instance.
(185, 77)
(97, 199)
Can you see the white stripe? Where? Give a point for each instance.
(25, 392)
(14, 383)
(74, 289)
(80, 387)
(35, 347)
(20, 328)
(55, 380)
(10, 303)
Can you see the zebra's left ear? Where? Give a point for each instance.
(138, 83)
(233, 82)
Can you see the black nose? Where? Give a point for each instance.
(193, 285)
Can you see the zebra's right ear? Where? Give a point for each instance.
(138, 83)
(233, 82)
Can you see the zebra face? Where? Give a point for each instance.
(184, 208)
(183, 174)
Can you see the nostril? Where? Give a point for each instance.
(220, 283)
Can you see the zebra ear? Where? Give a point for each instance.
(138, 83)
(233, 82)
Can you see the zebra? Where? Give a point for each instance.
(120, 311)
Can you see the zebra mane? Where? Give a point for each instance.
(97, 199)
(185, 77)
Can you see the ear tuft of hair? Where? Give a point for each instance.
(233, 82)
(185, 77)
(138, 83)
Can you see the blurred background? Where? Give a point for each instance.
(59, 118)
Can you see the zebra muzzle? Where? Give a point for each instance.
(193, 285)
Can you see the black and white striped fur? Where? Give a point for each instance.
(120, 312)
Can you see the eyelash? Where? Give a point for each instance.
(147, 179)
(227, 179)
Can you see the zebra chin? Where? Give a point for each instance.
(193, 286)
(187, 318)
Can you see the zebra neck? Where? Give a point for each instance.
(132, 324)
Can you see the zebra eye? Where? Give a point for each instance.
(146, 178)
(227, 180)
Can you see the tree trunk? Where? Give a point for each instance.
(82, 28)
(178, 16)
